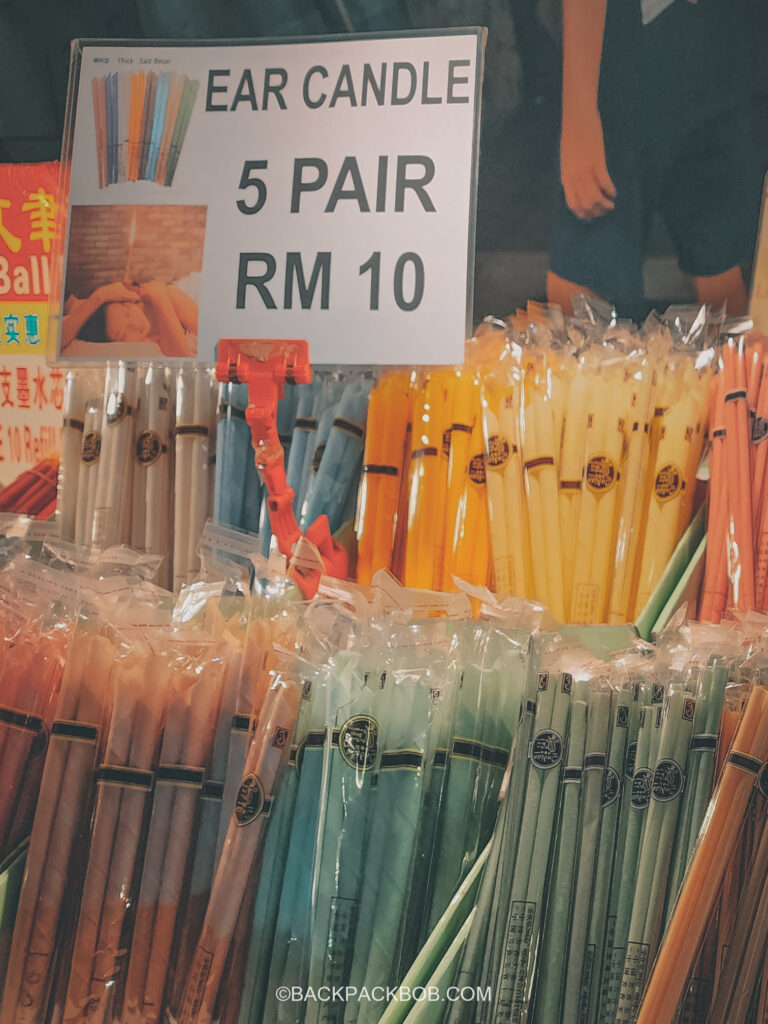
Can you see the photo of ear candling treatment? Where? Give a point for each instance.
(132, 282)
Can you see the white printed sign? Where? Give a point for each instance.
(322, 189)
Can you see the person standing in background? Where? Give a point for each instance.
(655, 117)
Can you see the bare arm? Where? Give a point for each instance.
(587, 184)
(81, 310)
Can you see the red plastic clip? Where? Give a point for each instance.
(266, 366)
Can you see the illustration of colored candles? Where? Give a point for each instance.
(141, 121)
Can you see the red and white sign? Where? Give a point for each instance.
(31, 392)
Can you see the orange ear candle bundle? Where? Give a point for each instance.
(760, 449)
(197, 674)
(34, 636)
(716, 570)
(737, 533)
(737, 449)
(124, 782)
(61, 811)
(430, 446)
(468, 557)
(383, 469)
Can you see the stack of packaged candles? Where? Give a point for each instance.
(322, 428)
(246, 791)
(137, 461)
(610, 783)
(558, 464)
(203, 744)
(737, 533)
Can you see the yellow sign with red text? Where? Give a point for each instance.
(31, 392)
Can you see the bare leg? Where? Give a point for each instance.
(561, 292)
(727, 288)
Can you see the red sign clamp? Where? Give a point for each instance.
(266, 366)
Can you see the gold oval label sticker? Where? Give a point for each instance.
(149, 448)
(499, 450)
(91, 449)
(358, 742)
(477, 469)
(668, 482)
(600, 473)
(250, 800)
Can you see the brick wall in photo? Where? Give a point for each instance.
(168, 245)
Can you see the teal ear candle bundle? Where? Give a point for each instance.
(238, 488)
(638, 689)
(598, 734)
(303, 427)
(554, 951)
(341, 463)
(611, 803)
(702, 758)
(476, 755)
(322, 430)
(626, 869)
(656, 848)
(342, 845)
(396, 811)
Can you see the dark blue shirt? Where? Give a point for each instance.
(662, 80)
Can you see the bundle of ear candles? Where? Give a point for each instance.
(148, 453)
(221, 763)
(236, 790)
(33, 492)
(141, 120)
(608, 791)
(558, 464)
(737, 532)
(322, 428)
(137, 461)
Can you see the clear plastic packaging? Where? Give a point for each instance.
(268, 752)
(100, 654)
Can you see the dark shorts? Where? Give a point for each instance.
(703, 185)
